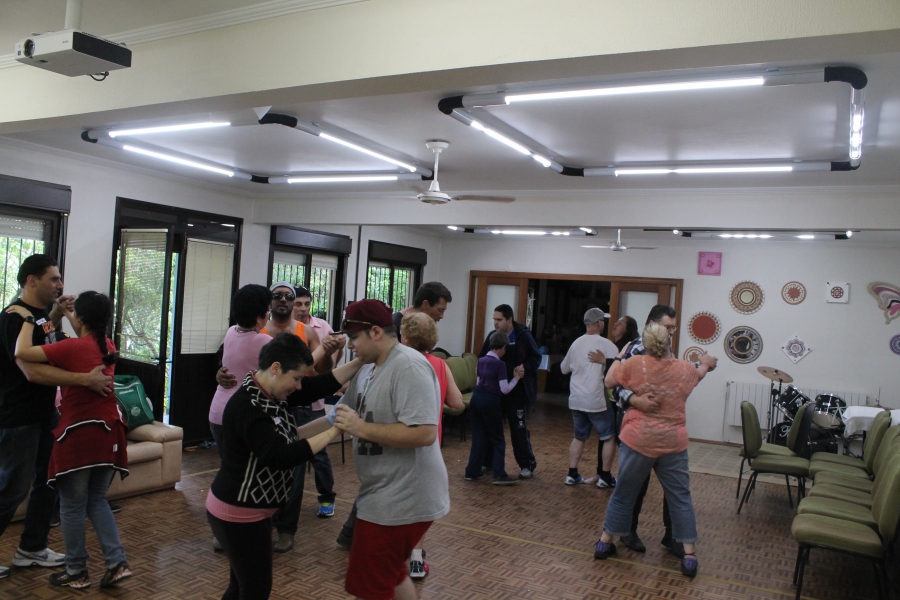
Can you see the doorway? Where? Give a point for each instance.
(175, 273)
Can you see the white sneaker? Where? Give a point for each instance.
(526, 474)
(44, 558)
(4, 572)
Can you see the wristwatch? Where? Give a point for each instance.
(29, 319)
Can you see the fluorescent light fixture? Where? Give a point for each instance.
(675, 231)
(764, 236)
(849, 233)
(341, 178)
(453, 227)
(724, 235)
(518, 232)
(559, 233)
(180, 161)
(856, 126)
(701, 170)
(586, 229)
(544, 161)
(167, 128)
(638, 89)
(750, 236)
(227, 224)
(806, 236)
(337, 140)
(502, 139)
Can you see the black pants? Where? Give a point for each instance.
(488, 444)
(667, 518)
(514, 407)
(248, 547)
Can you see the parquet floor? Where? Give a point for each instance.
(534, 540)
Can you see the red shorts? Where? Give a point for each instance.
(379, 557)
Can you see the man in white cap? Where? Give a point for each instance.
(587, 398)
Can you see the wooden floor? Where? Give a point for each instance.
(534, 540)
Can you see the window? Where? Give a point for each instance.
(394, 273)
(290, 267)
(314, 271)
(19, 239)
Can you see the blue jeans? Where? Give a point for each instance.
(82, 494)
(488, 443)
(24, 457)
(672, 472)
(285, 520)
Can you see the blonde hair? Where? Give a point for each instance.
(420, 331)
(655, 339)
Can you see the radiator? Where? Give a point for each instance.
(759, 394)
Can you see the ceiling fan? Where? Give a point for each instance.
(434, 195)
(618, 246)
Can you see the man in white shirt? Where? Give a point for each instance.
(587, 398)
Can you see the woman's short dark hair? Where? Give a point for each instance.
(249, 304)
(37, 265)
(286, 349)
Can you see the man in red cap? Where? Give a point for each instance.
(390, 409)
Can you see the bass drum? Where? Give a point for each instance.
(791, 400)
(781, 433)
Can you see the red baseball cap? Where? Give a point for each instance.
(365, 314)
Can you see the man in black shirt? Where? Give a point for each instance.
(28, 413)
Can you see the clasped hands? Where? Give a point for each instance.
(348, 420)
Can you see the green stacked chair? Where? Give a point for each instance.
(472, 364)
(440, 354)
(789, 466)
(852, 511)
(847, 489)
(460, 372)
(750, 419)
(854, 468)
(848, 537)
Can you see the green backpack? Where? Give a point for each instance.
(136, 408)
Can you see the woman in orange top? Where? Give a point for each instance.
(654, 440)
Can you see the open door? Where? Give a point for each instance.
(490, 292)
(636, 300)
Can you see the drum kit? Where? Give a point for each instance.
(787, 400)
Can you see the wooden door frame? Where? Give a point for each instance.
(653, 284)
(501, 279)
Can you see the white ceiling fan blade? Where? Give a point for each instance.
(640, 248)
(473, 198)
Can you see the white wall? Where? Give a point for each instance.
(849, 341)
(94, 191)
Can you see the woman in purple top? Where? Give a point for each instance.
(487, 414)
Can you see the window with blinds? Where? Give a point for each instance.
(392, 285)
(321, 285)
(140, 293)
(290, 267)
(207, 295)
(19, 238)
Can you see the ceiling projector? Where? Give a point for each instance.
(72, 52)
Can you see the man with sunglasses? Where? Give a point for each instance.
(666, 316)
(281, 321)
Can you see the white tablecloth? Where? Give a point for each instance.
(859, 418)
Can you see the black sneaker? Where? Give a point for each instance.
(506, 480)
(115, 575)
(79, 581)
(604, 550)
(633, 542)
(345, 538)
(689, 565)
(676, 548)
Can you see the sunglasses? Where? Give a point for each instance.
(285, 295)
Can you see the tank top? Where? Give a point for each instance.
(440, 369)
(299, 331)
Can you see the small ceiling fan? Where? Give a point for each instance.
(618, 246)
(434, 195)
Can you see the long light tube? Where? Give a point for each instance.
(341, 178)
(857, 115)
(502, 138)
(167, 128)
(638, 89)
(518, 232)
(328, 136)
(696, 170)
(180, 161)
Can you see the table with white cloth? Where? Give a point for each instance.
(858, 419)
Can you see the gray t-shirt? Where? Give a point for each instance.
(398, 486)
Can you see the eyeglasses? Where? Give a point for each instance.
(285, 295)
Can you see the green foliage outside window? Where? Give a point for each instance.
(12, 252)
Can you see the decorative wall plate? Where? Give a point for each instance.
(793, 292)
(743, 345)
(888, 297)
(692, 354)
(710, 263)
(747, 297)
(796, 349)
(837, 292)
(704, 328)
(895, 344)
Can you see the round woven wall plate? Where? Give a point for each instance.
(895, 344)
(793, 292)
(692, 354)
(743, 344)
(747, 297)
(704, 328)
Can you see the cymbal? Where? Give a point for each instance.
(775, 374)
